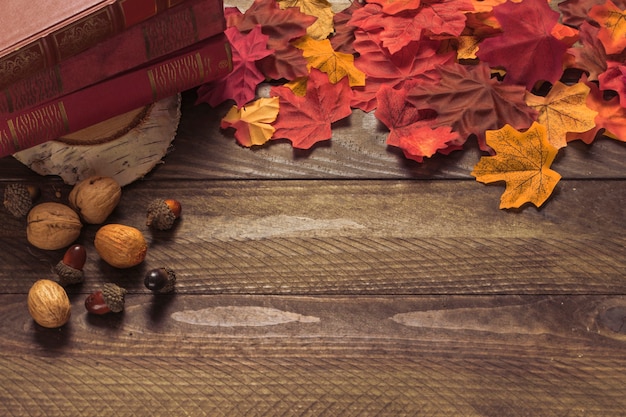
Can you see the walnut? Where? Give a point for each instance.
(52, 226)
(48, 304)
(95, 198)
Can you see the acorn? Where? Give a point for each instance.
(19, 198)
(160, 280)
(110, 299)
(162, 214)
(70, 268)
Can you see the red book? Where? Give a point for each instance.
(155, 38)
(37, 34)
(206, 61)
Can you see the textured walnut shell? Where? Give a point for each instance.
(120, 246)
(95, 198)
(52, 226)
(48, 304)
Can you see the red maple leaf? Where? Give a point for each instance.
(590, 55)
(526, 48)
(444, 17)
(469, 100)
(241, 83)
(611, 116)
(614, 78)
(410, 128)
(343, 38)
(416, 61)
(307, 120)
(282, 26)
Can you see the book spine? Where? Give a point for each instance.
(155, 38)
(77, 37)
(207, 61)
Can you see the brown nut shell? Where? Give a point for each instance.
(95, 198)
(52, 226)
(48, 304)
(120, 246)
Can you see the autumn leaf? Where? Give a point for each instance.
(522, 161)
(343, 38)
(526, 48)
(411, 128)
(417, 61)
(252, 122)
(307, 120)
(614, 78)
(337, 65)
(240, 84)
(612, 21)
(321, 9)
(611, 118)
(469, 100)
(282, 27)
(443, 17)
(391, 7)
(590, 55)
(563, 110)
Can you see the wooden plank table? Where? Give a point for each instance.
(342, 281)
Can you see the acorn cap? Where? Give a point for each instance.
(18, 199)
(113, 296)
(171, 281)
(160, 216)
(68, 275)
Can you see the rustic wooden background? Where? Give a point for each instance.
(341, 281)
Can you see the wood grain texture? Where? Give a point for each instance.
(360, 237)
(470, 356)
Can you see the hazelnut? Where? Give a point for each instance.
(95, 198)
(52, 226)
(48, 304)
(120, 246)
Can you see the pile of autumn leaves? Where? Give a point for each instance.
(436, 73)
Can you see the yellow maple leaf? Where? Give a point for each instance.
(522, 161)
(563, 110)
(253, 121)
(322, 9)
(337, 65)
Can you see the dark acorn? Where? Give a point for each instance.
(160, 280)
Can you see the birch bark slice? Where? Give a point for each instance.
(125, 147)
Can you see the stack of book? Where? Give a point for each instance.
(69, 64)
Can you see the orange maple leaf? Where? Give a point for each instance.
(337, 65)
(612, 22)
(253, 121)
(523, 162)
(563, 110)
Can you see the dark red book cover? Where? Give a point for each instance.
(39, 34)
(206, 61)
(166, 33)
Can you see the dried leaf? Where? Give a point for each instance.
(253, 122)
(241, 83)
(321, 9)
(614, 78)
(391, 7)
(282, 27)
(337, 65)
(343, 38)
(563, 110)
(523, 162)
(526, 49)
(612, 21)
(410, 128)
(589, 55)
(611, 118)
(469, 100)
(307, 120)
